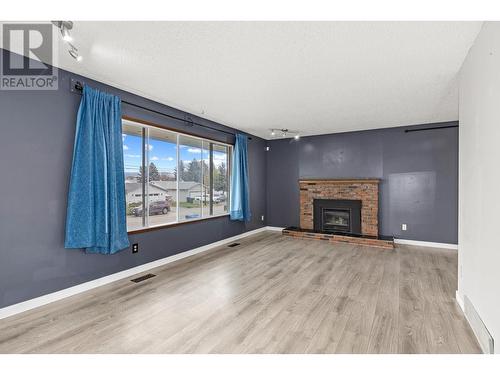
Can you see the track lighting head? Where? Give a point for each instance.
(73, 51)
(66, 35)
(65, 27)
(285, 133)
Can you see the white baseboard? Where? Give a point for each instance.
(476, 324)
(80, 288)
(276, 229)
(426, 244)
(460, 301)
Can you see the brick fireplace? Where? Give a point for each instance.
(363, 191)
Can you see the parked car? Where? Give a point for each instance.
(197, 199)
(206, 197)
(219, 198)
(158, 207)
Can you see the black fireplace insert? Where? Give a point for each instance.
(337, 215)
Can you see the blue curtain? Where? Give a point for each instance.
(240, 193)
(96, 216)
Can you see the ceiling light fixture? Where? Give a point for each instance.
(73, 51)
(285, 133)
(65, 27)
(66, 36)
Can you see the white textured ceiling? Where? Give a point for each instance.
(313, 77)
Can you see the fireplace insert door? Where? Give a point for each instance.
(337, 215)
(336, 220)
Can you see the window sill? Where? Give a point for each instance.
(163, 226)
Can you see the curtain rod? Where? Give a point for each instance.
(78, 87)
(432, 128)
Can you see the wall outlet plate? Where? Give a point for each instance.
(135, 248)
(403, 227)
(262, 218)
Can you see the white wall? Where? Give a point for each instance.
(479, 178)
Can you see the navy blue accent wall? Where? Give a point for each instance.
(36, 145)
(419, 172)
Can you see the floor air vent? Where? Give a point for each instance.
(482, 334)
(233, 244)
(142, 278)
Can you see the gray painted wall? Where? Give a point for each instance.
(419, 187)
(419, 172)
(36, 144)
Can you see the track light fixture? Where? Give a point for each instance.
(65, 27)
(66, 35)
(285, 133)
(73, 51)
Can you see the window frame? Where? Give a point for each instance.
(147, 124)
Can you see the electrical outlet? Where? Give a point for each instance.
(403, 227)
(267, 148)
(262, 218)
(135, 248)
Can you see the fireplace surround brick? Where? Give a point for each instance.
(365, 190)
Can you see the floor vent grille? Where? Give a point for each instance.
(482, 334)
(233, 244)
(142, 278)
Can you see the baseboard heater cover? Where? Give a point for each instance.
(482, 334)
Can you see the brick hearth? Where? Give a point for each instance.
(385, 243)
(365, 190)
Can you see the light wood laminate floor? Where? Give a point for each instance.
(271, 294)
